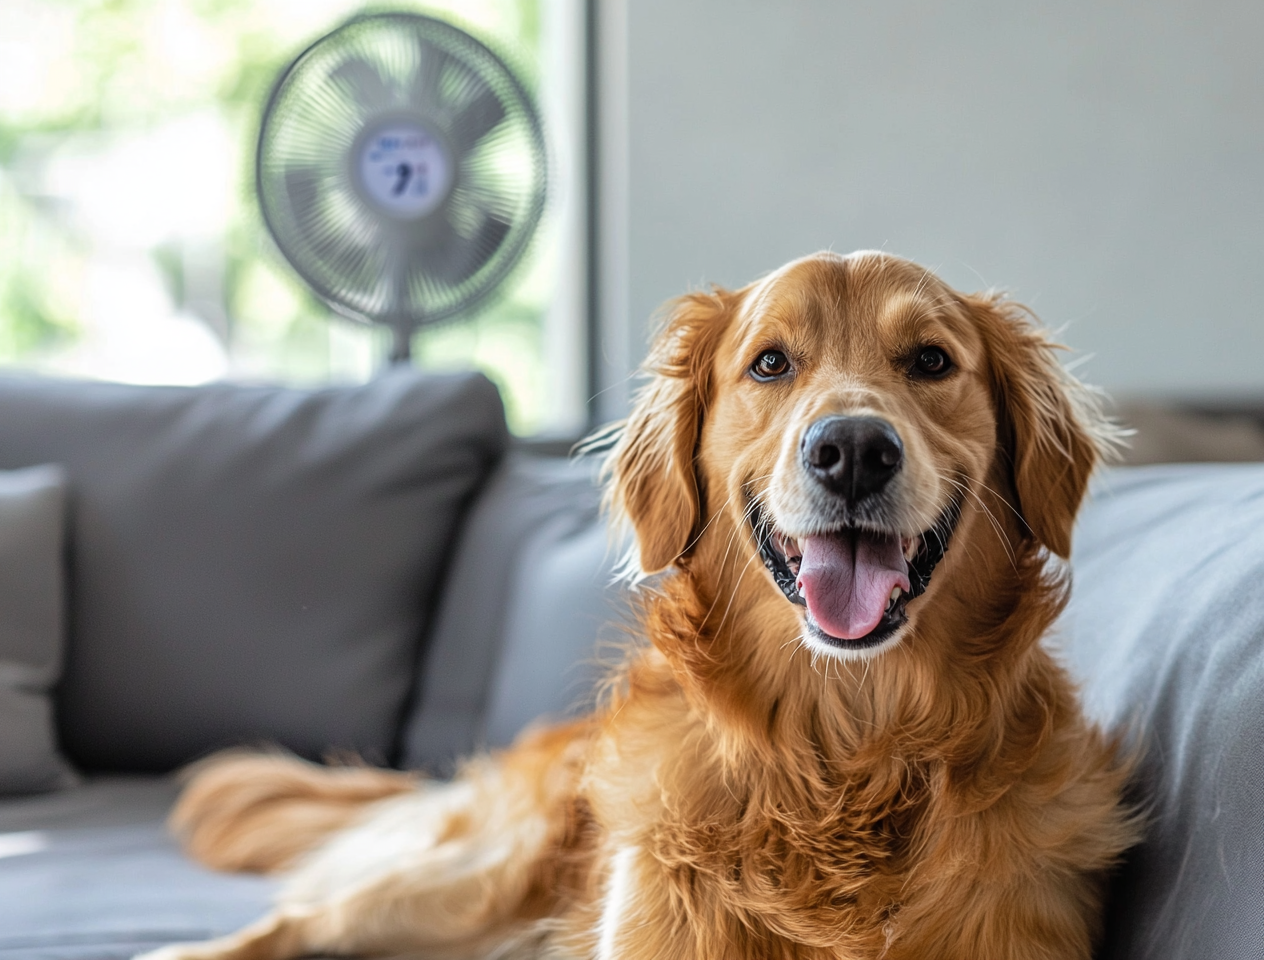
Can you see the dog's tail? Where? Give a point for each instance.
(259, 812)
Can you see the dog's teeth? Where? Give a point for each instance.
(895, 594)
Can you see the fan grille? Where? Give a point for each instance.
(372, 262)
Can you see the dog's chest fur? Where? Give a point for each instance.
(806, 857)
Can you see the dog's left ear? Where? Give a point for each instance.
(651, 471)
(1050, 425)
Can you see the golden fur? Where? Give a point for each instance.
(744, 792)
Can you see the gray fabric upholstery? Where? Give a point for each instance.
(91, 874)
(32, 626)
(250, 563)
(528, 602)
(1166, 632)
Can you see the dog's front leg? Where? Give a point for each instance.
(639, 918)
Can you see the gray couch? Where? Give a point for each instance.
(377, 569)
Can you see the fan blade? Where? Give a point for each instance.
(322, 120)
(444, 255)
(339, 246)
(364, 83)
(431, 62)
(302, 186)
(348, 260)
(475, 119)
(439, 78)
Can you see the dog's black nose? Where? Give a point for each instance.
(852, 456)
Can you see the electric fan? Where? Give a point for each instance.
(401, 170)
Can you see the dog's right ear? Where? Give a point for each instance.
(652, 479)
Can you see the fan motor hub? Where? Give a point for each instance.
(402, 168)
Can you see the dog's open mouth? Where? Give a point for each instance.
(856, 583)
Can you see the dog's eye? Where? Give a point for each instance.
(770, 365)
(931, 362)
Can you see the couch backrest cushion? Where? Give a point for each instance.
(529, 612)
(32, 626)
(250, 564)
(1165, 631)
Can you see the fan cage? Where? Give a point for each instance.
(400, 68)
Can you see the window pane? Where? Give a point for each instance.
(131, 246)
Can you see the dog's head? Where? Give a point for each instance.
(845, 421)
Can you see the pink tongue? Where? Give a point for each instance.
(846, 580)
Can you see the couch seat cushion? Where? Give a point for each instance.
(91, 874)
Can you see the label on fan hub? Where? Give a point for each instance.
(405, 170)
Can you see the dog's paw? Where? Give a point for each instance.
(181, 951)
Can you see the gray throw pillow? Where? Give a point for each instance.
(250, 563)
(1165, 631)
(529, 605)
(32, 624)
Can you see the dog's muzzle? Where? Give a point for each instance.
(857, 576)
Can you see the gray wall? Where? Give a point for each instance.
(1103, 161)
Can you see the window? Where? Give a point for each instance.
(131, 247)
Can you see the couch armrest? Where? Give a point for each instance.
(1165, 631)
(528, 600)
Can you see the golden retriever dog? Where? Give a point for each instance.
(840, 736)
